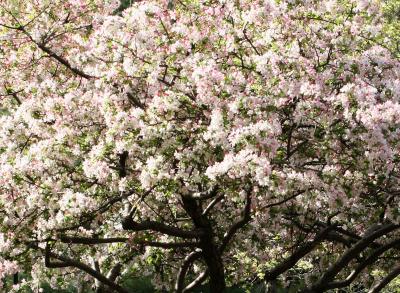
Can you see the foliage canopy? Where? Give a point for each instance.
(229, 142)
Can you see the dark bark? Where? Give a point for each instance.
(129, 224)
(291, 261)
(349, 255)
(94, 241)
(179, 286)
(89, 241)
(123, 157)
(209, 249)
(64, 261)
(371, 259)
(196, 282)
(386, 280)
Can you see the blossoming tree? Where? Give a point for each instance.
(219, 142)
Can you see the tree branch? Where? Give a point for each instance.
(212, 204)
(208, 194)
(368, 261)
(180, 281)
(84, 240)
(239, 224)
(250, 42)
(294, 195)
(386, 280)
(210, 252)
(94, 241)
(100, 210)
(114, 272)
(135, 101)
(196, 282)
(350, 254)
(169, 245)
(67, 262)
(47, 50)
(297, 255)
(130, 224)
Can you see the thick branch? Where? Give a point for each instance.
(52, 54)
(212, 204)
(386, 280)
(368, 261)
(196, 282)
(122, 158)
(350, 239)
(297, 255)
(135, 101)
(94, 241)
(130, 224)
(180, 281)
(169, 245)
(67, 262)
(350, 254)
(62, 60)
(208, 194)
(210, 252)
(114, 272)
(84, 240)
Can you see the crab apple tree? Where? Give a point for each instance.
(198, 142)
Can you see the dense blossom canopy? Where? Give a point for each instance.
(228, 142)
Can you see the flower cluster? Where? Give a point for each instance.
(226, 134)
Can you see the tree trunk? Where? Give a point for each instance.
(272, 287)
(214, 263)
(210, 253)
